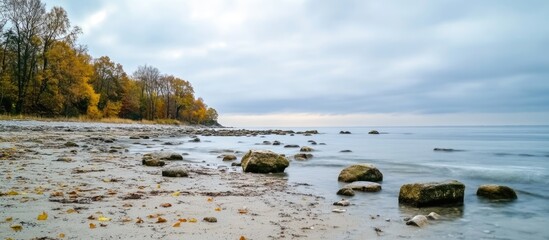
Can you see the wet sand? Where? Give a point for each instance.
(99, 189)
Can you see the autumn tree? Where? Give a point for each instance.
(148, 77)
(25, 18)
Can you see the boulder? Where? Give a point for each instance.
(496, 192)
(264, 161)
(229, 157)
(175, 172)
(303, 156)
(306, 149)
(360, 172)
(276, 143)
(432, 194)
(364, 186)
(196, 139)
(342, 202)
(433, 216)
(373, 132)
(346, 192)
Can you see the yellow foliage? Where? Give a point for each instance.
(103, 218)
(16, 227)
(43, 216)
(112, 109)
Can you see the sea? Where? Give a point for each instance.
(515, 156)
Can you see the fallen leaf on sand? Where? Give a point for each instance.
(242, 238)
(210, 199)
(139, 220)
(71, 210)
(157, 185)
(9, 219)
(103, 218)
(126, 219)
(91, 217)
(161, 220)
(43, 216)
(166, 205)
(103, 225)
(243, 210)
(153, 215)
(182, 220)
(176, 194)
(12, 193)
(61, 235)
(16, 227)
(193, 220)
(177, 224)
(217, 209)
(57, 194)
(92, 226)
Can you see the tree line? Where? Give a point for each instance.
(45, 72)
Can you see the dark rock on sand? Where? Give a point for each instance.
(210, 219)
(364, 186)
(373, 132)
(235, 164)
(153, 162)
(346, 192)
(264, 161)
(432, 194)
(175, 172)
(306, 149)
(496, 192)
(229, 157)
(360, 172)
(170, 156)
(64, 159)
(70, 144)
(303, 156)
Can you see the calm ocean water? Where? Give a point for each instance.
(516, 156)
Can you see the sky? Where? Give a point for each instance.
(336, 63)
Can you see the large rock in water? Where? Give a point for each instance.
(432, 194)
(496, 192)
(264, 161)
(360, 172)
(170, 156)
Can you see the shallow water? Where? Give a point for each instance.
(515, 156)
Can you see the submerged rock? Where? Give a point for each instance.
(496, 192)
(264, 161)
(345, 151)
(175, 172)
(418, 221)
(433, 216)
(360, 172)
(373, 132)
(364, 186)
(291, 146)
(346, 192)
(344, 132)
(306, 149)
(445, 150)
(229, 157)
(276, 143)
(432, 194)
(342, 202)
(303, 156)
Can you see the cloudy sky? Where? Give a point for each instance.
(318, 63)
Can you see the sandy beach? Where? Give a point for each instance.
(90, 184)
